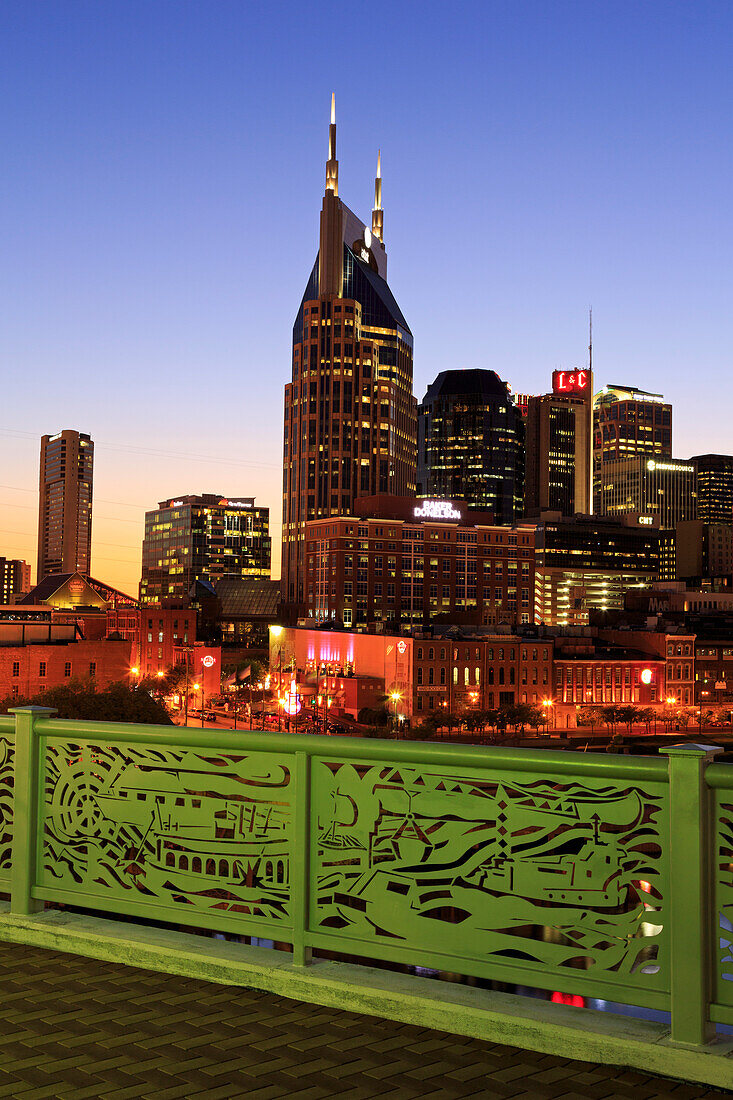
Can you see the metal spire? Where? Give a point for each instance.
(332, 165)
(377, 212)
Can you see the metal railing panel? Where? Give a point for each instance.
(552, 876)
(194, 836)
(7, 753)
(722, 862)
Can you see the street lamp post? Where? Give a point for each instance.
(395, 696)
(276, 632)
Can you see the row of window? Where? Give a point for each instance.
(43, 667)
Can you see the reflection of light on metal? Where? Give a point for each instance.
(567, 999)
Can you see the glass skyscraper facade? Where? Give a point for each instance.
(350, 416)
(471, 443)
(202, 538)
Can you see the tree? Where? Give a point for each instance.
(81, 700)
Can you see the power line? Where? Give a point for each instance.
(131, 449)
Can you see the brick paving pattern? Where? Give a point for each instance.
(74, 1028)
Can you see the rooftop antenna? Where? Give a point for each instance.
(590, 338)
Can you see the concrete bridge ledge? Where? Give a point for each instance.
(529, 1023)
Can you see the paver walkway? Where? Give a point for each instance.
(73, 1028)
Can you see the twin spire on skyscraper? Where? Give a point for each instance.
(332, 175)
(332, 165)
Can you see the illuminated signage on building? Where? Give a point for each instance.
(570, 381)
(674, 467)
(437, 509)
(208, 661)
(647, 521)
(236, 503)
(176, 504)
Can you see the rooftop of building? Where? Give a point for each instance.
(247, 597)
(72, 589)
(209, 500)
(612, 393)
(471, 382)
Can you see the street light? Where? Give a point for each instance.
(276, 631)
(395, 696)
(549, 714)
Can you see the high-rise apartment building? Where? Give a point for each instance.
(201, 538)
(628, 422)
(714, 488)
(559, 431)
(15, 579)
(471, 443)
(65, 504)
(650, 488)
(350, 416)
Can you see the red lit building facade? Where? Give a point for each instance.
(407, 562)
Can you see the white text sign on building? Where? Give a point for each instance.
(437, 509)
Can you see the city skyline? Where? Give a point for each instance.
(148, 307)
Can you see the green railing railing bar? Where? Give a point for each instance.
(7, 771)
(607, 876)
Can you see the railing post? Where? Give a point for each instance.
(25, 809)
(300, 878)
(690, 890)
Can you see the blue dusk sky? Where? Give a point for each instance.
(162, 174)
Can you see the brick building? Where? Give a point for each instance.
(481, 671)
(157, 635)
(62, 656)
(407, 562)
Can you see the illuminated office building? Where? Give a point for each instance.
(471, 443)
(350, 416)
(202, 538)
(15, 579)
(714, 488)
(559, 446)
(589, 563)
(402, 562)
(665, 490)
(65, 504)
(628, 423)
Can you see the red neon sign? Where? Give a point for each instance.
(570, 381)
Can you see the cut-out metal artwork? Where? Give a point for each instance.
(178, 828)
(513, 869)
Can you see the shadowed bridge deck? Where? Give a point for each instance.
(78, 1028)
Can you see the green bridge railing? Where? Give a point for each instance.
(606, 876)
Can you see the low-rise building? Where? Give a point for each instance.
(157, 635)
(37, 656)
(481, 671)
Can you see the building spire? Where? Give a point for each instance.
(332, 165)
(377, 212)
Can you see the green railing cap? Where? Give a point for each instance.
(686, 749)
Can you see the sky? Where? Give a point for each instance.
(161, 181)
